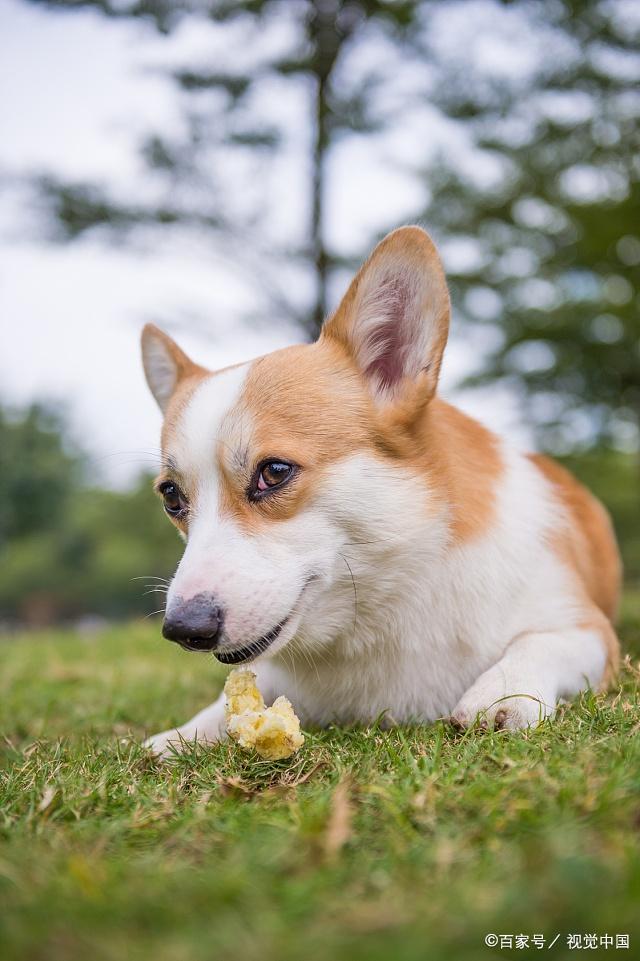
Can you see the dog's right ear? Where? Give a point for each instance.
(165, 365)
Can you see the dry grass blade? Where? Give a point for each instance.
(309, 774)
(338, 830)
(49, 795)
(234, 786)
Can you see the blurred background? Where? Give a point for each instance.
(221, 167)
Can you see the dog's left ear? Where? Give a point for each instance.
(165, 364)
(394, 319)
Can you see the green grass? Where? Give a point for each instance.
(400, 845)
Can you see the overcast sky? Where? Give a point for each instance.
(71, 94)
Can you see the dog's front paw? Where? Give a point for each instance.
(497, 702)
(165, 744)
(177, 740)
(169, 743)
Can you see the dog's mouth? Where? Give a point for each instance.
(242, 654)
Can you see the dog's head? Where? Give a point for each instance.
(277, 470)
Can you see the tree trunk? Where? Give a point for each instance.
(320, 257)
(326, 41)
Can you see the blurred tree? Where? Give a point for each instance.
(294, 47)
(554, 229)
(39, 472)
(538, 187)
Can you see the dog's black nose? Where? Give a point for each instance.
(195, 624)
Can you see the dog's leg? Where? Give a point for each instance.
(536, 670)
(208, 726)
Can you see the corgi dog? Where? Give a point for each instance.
(368, 548)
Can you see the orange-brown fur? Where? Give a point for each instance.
(307, 406)
(456, 455)
(461, 459)
(588, 546)
(188, 382)
(588, 542)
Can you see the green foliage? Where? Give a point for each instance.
(105, 554)
(38, 472)
(613, 477)
(557, 264)
(68, 549)
(369, 844)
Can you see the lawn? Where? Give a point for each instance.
(400, 845)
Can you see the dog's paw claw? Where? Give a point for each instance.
(461, 721)
(500, 719)
(485, 708)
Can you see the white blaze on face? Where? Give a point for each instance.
(207, 419)
(254, 576)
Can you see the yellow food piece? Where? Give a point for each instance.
(241, 693)
(274, 732)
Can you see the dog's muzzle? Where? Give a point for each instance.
(195, 624)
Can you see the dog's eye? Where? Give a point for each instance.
(272, 474)
(175, 503)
